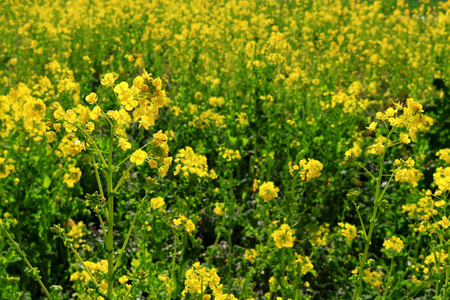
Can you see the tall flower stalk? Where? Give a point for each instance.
(406, 120)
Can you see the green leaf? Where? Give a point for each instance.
(25, 296)
(46, 182)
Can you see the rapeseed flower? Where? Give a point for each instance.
(72, 177)
(219, 209)
(108, 80)
(157, 202)
(138, 157)
(394, 243)
(444, 154)
(189, 226)
(91, 98)
(348, 231)
(250, 255)
(268, 191)
(284, 237)
(124, 144)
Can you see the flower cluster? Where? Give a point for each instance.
(189, 226)
(442, 178)
(348, 231)
(250, 255)
(98, 270)
(374, 278)
(444, 154)
(75, 233)
(268, 191)
(411, 119)
(6, 165)
(219, 209)
(301, 265)
(406, 172)
(204, 281)
(188, 162)
(72, 177)
(284, 237)
(229, 154)
(157, 203)
(394, 243)
(309, 169)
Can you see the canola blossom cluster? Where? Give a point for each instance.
(284, 237)
(308, 169)
(188, 162)
(206, 282)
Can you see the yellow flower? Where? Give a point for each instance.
(372, 126)
(394, 243)
(218, 209)
(138, 82)
(444, 154)
(160, 137)
(90, 127)
(404, 138)
(268, 191)
(72, 177)
(91, 98)
(348, 231)
(442, 178)
(138, 157)
(284, 237)
(312, 168)
(108, 80)
(157, 202)
(50, 135)
(124, 144)
(123, 279)
(250, 255)
(198, 96)
(445, 223)
(189, 226)
(378, 148)
(153, 163)
(162, 172)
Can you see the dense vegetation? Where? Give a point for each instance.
(224, 149)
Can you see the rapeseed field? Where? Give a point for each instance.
(259, 149)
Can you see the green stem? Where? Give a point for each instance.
(110, 240)
(84, 266)
(100, 187)
(24, 257)
(229, 283)
(173, 265)
(215, 242)
(125, 243)
(122, 179)
(282, 272)
(372, 221)
(91, 140)
(128, 157)
(389, 279)
(364, 168)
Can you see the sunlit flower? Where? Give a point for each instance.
(138, 157)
